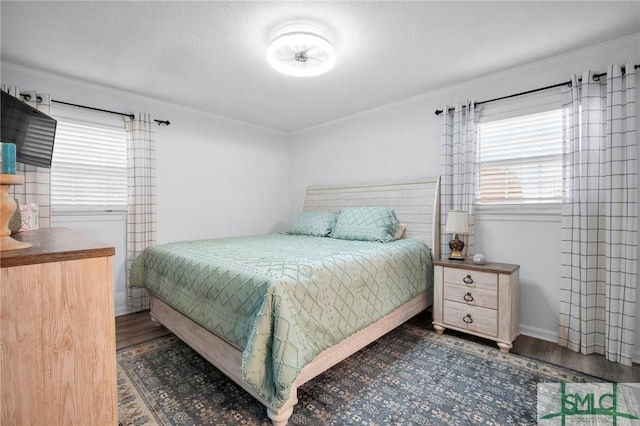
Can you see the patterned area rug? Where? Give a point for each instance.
(409, 376)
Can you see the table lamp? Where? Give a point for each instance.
(457, 223)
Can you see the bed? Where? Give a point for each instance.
(274, 311)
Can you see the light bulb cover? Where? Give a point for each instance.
(301, 51)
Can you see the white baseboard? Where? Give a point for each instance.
(549, 336)
(121, 310)
(539, 333)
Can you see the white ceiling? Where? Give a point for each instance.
(212, 55)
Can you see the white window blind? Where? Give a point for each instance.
(520, 157)
(89, 167)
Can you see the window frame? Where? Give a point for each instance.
(72, 115)
(543, 101)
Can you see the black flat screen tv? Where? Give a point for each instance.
(31, 130)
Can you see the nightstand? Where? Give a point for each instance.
(482, 300)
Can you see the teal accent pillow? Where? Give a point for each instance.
(366, 224)
(314, 223)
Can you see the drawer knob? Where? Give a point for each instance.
(468, 297)
(467, 280)
(467, 319)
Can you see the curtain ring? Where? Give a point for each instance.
(26, 96)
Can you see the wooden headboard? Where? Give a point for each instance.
(417, 205)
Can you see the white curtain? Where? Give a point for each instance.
(458, 170)
(141, 211)
(600, 216)
(37, 180)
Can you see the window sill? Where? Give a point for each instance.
(520, 213)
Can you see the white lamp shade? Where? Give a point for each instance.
(457, 222)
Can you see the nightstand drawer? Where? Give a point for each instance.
(483, 297)
(477, 299)
(472, 318)
(469, 278)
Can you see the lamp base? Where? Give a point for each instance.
(8, 243)
(456, 255)
(7, 208)
(456, 245)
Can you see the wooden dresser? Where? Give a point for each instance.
(57, 331)
(478, 299)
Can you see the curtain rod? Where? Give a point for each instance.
(131, 116)
(596, 76)
(124, 114)
(27, 97)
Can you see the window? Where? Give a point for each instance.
(89, 167)
(520, 158)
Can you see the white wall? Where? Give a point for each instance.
(219, 177)
(401, 141)
(110, 229)
(216, 176)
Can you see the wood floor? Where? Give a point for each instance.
(136, 328)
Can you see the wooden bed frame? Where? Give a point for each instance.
(417, 207)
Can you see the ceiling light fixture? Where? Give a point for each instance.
(301, 51)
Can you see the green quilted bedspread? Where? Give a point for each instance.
(283, 299)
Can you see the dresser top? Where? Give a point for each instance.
(500, 268)
(53, 245)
